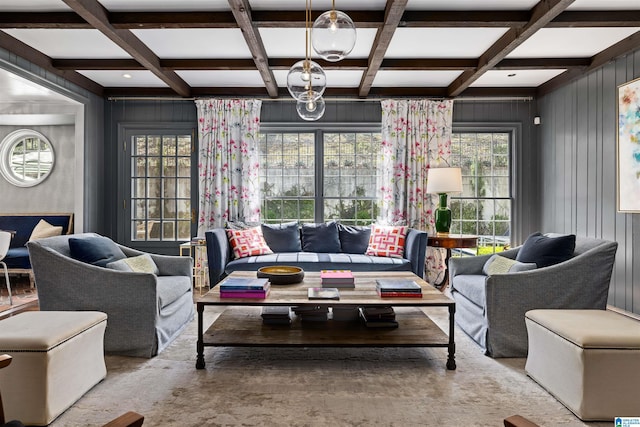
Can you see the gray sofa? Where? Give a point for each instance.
(352, 239)
(490, 309)
(146, 312)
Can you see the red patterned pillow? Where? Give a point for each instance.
(387, 240)
(249, 242)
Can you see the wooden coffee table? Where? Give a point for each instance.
(241, 325)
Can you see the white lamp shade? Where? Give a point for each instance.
(444, 180)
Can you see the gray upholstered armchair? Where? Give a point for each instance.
(146, 312)
(490, 309)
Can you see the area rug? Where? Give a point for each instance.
(23, 297)
(318, 387)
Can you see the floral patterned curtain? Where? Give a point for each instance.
(416, 135)
(228, 161)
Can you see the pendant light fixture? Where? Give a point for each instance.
(306, 77)
(333, 35)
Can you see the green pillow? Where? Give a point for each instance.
(501, 265)
(138, 264)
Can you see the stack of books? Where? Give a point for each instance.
(379, 317)
(345, 313)
(276, 315)
(312, 313)
(323, 293)
(398, 288)
(337, 279)
(240, 287)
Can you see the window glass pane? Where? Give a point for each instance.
(153, 145)
(154, 187)
(184, 145)
(169, 145)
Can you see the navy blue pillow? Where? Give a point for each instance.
(95, 250)
(354, 239)
(546, 251)
(321, 237)
(282, 237)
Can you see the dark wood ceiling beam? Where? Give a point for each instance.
(392, 15)
(541, 15)
(95, 14)
(402, 64)
(600, 18)
(439, 18)
(97, 64)
(242, 13)
(28, 53)
(291, 19)
(542, 63)
(623, 47)
(42, 20)
(147, 20)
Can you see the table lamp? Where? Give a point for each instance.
(441, 181)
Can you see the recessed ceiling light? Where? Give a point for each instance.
(127, 76)
(511, 75)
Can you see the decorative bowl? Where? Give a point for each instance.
(282, 274)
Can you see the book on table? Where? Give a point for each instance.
(397, 285)
(244, 284)
(245, 293)
(323, 293)
(381, 319)
(337, 278)
(276, 315)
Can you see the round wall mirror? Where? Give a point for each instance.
(26, 158)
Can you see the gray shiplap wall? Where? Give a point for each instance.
(577, 154)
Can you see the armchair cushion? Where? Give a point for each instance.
(282, 237)
(171, 288)
(502, 265)
(96, 250)
(547, 250)
(139, 264)
(321, 238)
(472, 286)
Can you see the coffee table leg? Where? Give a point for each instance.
(200, 344)
(451, 359)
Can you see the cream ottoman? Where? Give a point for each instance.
(57, 357)
(587, 359)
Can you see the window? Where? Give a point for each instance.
(320, 175)
(484, 207)
(26, 158)
(160, 199)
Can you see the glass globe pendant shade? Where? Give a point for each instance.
(304, 75)
(310, 109)
(333, 35)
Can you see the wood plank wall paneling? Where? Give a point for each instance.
(578, 170)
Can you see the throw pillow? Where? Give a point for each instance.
(282, 237)
(546, 250)
(354, 239)
(387, 241)
(139, 264)
(44, 229)
(502, 265)
(96, 250)
(321, 238)
(249, 242)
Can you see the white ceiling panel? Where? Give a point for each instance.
(471, 4)
(570, 42)
(33, 5)
(114, 78)
(179, 43)
(414, 78)
(14, 88)
(165, 6)
(221, 78)
(289, 42)
(69, 43)
(604, 5)
(442, 42)
(515, 78)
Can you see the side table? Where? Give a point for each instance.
(449, 241)
(197, 249)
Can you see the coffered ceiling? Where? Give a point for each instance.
(438, 48)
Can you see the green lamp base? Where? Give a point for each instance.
(443, 215)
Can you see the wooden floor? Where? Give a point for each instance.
(19, 286)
